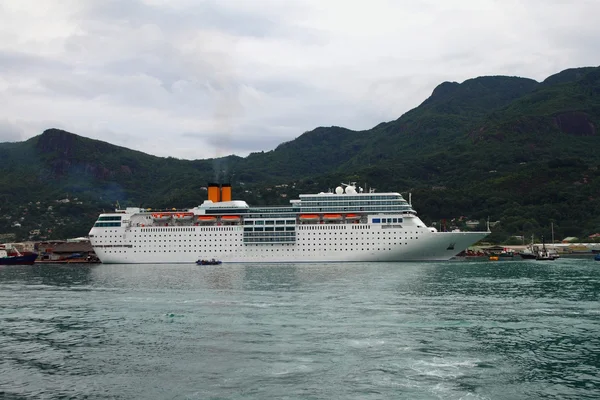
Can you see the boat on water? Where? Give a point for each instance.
(536, 252)
(597, 257)
(544, 254)
(528, 254)
(12, 256)
(208, 262)
(346, 224)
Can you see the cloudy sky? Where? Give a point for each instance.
(206, 78)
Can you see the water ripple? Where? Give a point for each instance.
(475, 330)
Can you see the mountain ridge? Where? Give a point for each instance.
(453, 140)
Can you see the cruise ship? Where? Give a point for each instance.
(345, 224)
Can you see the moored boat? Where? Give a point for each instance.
(208, 262)
(543, 254)
(527, 255)
(12, 256)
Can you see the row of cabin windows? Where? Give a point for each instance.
(111, 218)
(308, 198)
(262, 249)
(387, 220)
(274, 239)
(260, 234)
(235, 228)
(270, 222)
(274, 234)
(262, 239)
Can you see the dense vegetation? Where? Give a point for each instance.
(505, 148)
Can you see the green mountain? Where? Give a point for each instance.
(508, 148)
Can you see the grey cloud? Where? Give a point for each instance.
(10, 132)
(16, 61)
(246, 139)
(279, 86)
(67, 86)
(207, 15)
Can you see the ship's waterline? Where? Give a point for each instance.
(345, 225)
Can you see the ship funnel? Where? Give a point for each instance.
(214, 193)
(226, 192)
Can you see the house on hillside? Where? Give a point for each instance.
(472, 224)
(569, 239)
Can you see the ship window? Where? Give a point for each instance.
(376, 220)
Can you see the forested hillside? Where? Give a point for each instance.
(505, 148)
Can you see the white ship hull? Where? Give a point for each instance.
(326, 227)
(312, 245)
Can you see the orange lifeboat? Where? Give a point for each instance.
(352, 217)
(183, 216)
(207, 218)
(230, 218)
(332, 217)
(309, 217)
(161, 217)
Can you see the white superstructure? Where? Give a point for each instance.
(346, 225)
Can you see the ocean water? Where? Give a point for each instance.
(450, 330)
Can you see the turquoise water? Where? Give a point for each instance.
(453, 330)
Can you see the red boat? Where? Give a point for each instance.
(14, 257)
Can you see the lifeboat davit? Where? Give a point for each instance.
(161, 217)
(230, 218)
(185, 216)
(352, 217)
(309, 217)
(332, 217)
(207, 218)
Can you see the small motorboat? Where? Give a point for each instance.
(14, 257)
(544, 254)
(597, 257)
(208, 262)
